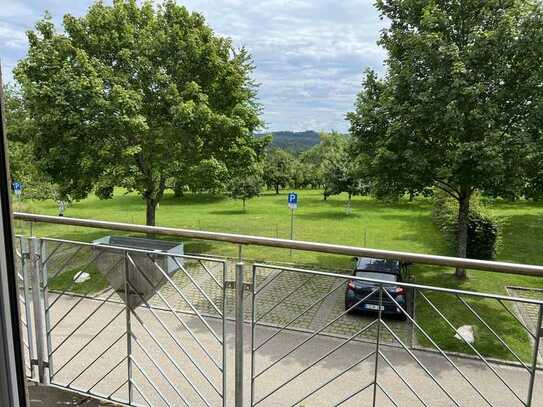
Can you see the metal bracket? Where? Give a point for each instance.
(34, 362)
(232, 284)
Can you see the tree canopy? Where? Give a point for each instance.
(460, 106)
(133, 96)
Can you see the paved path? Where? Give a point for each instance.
(173, 364)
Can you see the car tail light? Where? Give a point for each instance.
(400, 290)
(350, 284)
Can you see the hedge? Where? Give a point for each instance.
(483, 230)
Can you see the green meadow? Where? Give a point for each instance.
(402, 226)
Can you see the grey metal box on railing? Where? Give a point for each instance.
(145, 269)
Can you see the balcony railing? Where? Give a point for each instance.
(158, 328)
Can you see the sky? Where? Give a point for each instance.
(309, 54)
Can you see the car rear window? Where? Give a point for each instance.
(377, 276)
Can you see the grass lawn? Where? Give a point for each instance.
(404, 226)
(65, 281)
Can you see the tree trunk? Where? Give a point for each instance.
(462, 234)
(244, 205)
(178, 191)
(150, 211)
(277, 189)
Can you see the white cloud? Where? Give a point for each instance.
(309, 54)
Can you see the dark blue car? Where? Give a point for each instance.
(377, 269)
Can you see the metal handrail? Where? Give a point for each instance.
(500, 267)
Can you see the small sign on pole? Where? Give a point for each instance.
(18, 189)
(293, 200)
(292, 204)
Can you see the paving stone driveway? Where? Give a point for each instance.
(528, 312)
(287, 298)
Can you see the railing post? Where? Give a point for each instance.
(26, 271)
(239, 336)
(377, 343)
(535, 356)
(38, 307)
(128, 329)
(45, 298)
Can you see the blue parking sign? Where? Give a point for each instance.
(292, 200)
(17, 186)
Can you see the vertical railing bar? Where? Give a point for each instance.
(46, 259)
(26, 288)
(377, 340)
(128, 329)
(38, 309)
(239, 335)
(413, 335)
(253, 327)
(535, 357)
(47, 311)
(224, 310)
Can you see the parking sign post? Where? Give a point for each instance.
(292, 204)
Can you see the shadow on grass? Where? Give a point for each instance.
(229, 212)
(328, 215)
(191, 199)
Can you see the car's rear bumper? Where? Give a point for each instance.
(373, 305)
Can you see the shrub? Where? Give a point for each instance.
(483, 230)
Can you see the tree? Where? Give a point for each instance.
(36, 184)
(278, 168)
(341, 173)
(135, 96)
(245, 187)
(464, 81)
(208, 175)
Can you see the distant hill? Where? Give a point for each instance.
(294, 141)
